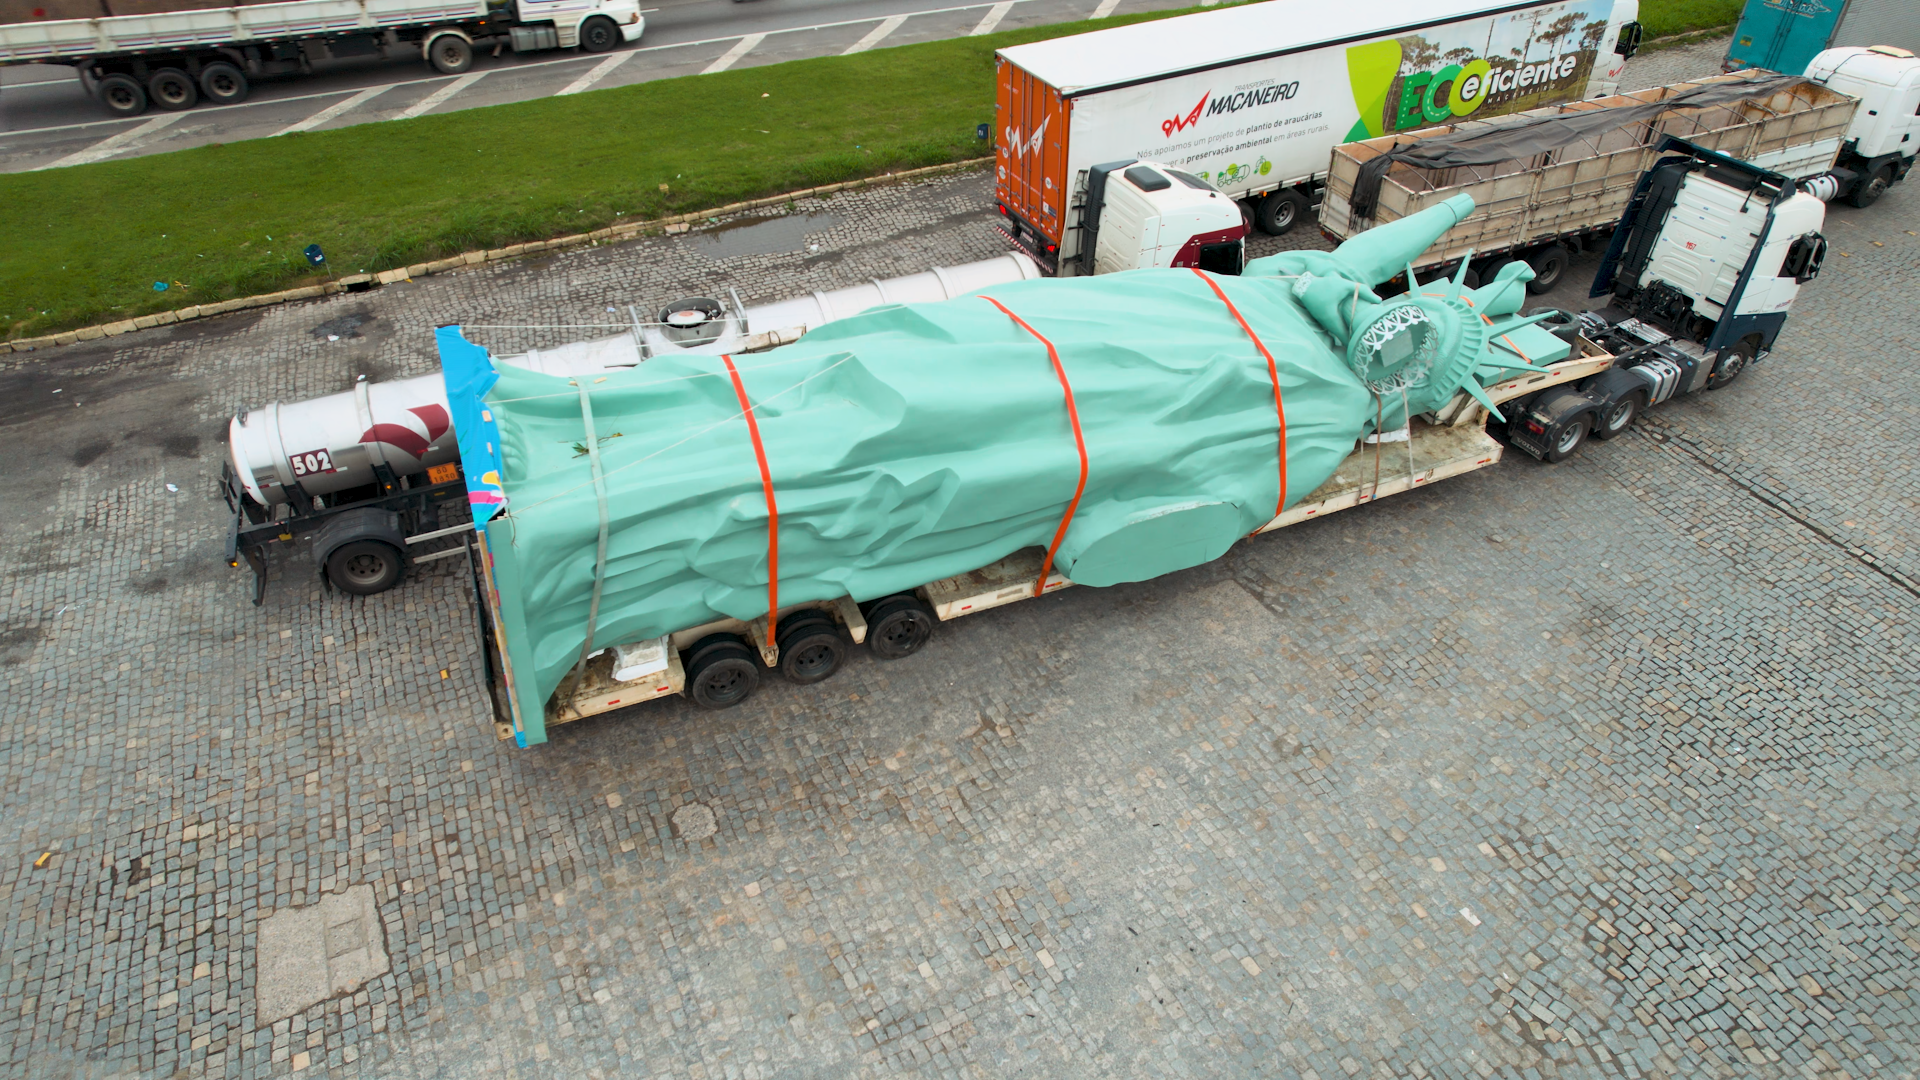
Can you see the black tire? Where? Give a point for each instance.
(1619, 415)
(810, 650)
(173, 90)
(725, 675)
(1869, 190)
(1279, 212)
(1471, 281)
(698, 651)
(1569, 437)
(365, 567)
(223, 84)
(1549, 264)
(1730, 362)
(1491, 269)
(122, 95)
(450, 54)
(598, 35)
(898, 626)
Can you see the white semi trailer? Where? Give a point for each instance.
(173, 54)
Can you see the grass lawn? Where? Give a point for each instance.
(1664, 18)
(87, 244)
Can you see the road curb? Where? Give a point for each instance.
(677, 223)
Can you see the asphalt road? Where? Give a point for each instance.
(47, 120)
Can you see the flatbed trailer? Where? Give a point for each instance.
(1452, 442)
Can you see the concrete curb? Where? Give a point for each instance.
(678, 223)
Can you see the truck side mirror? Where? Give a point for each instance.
(1629, 42)
(1804, 257)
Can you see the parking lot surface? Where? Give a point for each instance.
(1599, 769)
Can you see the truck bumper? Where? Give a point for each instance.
(631, 32)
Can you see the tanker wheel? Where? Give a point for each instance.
(364, 567)
(723, 675)
(898, 626)
(810, 648)
(123, 95)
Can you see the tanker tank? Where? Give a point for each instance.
(1129, 425)
(333, 443)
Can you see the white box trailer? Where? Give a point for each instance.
(176, 58)
(1252, 98)
(1543, 206)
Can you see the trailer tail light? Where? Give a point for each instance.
(1536, 427)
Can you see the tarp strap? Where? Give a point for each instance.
(1079, 442)
(1273, 372)
(773, 508)
(600, 549)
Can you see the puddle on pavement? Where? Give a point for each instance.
(759, 236)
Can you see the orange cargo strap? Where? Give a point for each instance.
(773, 509)
(1273, 372)
(1079, 442)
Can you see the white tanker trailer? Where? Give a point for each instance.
(365, 472)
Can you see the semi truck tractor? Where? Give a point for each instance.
(916, 463)
(1878, 148)
(1786, 35)
(174, 54)
(1250, 99)
(1553, 182)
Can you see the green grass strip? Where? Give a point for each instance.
(86, 244)
(1665, 18)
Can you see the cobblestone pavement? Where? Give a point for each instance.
(1599, 769)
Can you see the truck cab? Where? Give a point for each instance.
(1878, 149)
(1134, 215)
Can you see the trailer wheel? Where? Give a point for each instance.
(450, 54)
(1549, 262)
(122, 95)
(364, 567)
(1280, 212)
(723, 675)
(898, 626)
(810, 649)
(1620, 415)
(1569, 438)
(1868, 191)
(598, 35)
(1731, 361)
(173, 89)
(1491, 269)
(223, 83)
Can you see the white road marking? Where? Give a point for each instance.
(114, 144)
(600, 71)
(993, 16)
(434, 100)
(740, 48)
(1106, 8)
(333, 110)
(876, 35)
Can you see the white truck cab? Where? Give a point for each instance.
(1879, 147)
(1133, 215)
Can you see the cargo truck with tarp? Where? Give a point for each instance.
(174, 54)
(1552, 182)
(1250, 99)
(685, 526)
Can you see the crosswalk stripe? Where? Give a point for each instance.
(432, 101)
(992, 18)
(334, 110)
(114, 144)
(740, 48)
(600, 71)
(876, 35)
(1105, 9)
